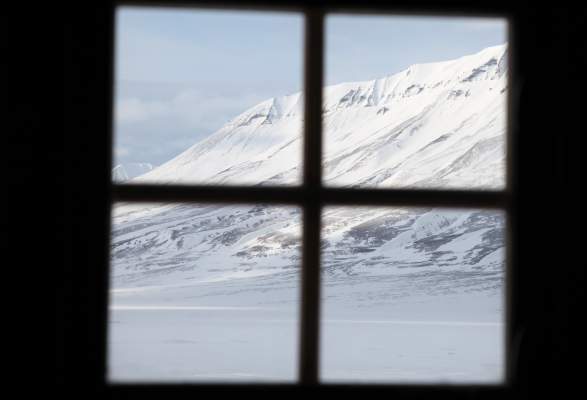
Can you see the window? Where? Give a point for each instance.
(314, 199)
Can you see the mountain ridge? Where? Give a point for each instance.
(262, 145)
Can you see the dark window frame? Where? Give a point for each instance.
(311, 196)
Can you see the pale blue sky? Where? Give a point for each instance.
(180, 74)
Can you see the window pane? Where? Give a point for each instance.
(413, 295)
(415, 102)
(207, 97)
(203, 293)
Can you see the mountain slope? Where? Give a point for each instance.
(432, 125)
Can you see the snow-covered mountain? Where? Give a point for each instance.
(128, 171)
(432, 125)
(438, 124)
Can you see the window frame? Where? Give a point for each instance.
(311, 196)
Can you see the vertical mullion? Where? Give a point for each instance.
(313, 65)
(512, 304)
(310, 285)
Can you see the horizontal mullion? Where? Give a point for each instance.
(300, 195)
(415, 197)
(412, 7)
(207, 194)
(231, 5)
(414, 391)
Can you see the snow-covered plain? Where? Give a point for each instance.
(210, 293)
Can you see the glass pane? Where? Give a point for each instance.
(203, 293)
(207, 97)
(413, 295)
(415, 102)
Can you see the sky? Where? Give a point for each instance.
(181, 74)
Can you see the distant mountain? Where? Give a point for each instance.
(432, 125)
(128, 171)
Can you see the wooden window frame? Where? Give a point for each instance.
(311, 196)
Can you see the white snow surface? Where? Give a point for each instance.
(211, 293)
(431, 125)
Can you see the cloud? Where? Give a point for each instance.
(134, 110)
(191, 108)
(156, 129)
(121, 151)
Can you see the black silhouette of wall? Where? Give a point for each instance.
(551, 119)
